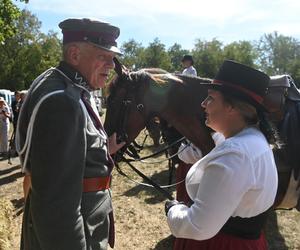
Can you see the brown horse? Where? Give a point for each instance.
(135, 97)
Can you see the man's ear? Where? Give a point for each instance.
(73, 54)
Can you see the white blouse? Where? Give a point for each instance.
(190, 154)
(190, 71)
(237, 178)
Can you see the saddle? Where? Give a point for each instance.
(283, 103)
(281, 88)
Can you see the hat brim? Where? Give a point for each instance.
(236, 94)
(109, 48)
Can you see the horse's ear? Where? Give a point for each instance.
(118, 66)
(120, 69)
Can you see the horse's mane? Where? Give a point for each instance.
(290, 131)
(158, 77)
(155, 71)
(195, 79)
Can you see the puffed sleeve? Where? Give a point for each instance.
(189, 153)
(57, 160)
(217, 197)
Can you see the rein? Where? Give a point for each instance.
(151, 183)
(147, 179)
(163, 150)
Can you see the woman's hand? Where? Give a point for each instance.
(113, 146)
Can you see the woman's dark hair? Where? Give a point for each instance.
(269, 130)
(257, 118)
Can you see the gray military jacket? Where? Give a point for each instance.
(64, 148)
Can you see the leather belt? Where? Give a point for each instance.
(96, 184)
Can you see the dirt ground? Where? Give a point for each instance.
(139, 213)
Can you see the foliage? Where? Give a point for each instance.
(156, 56)
(279, 54)
(25, 51)
(176, 54)
(242, 51)
(208, 56)
(132, 52)
(8, 14)
(273, 53)
(27, 54)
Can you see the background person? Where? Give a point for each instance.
(187, 63)
(15, 106)
(64, 149)
(234, 186)
(4, 126)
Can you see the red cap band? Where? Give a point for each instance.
(253, 95)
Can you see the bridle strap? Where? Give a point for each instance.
(147, 179)
(163, 150)
(127, 102)
(120, 171)
(122, 135)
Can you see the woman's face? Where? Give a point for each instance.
(217, 111)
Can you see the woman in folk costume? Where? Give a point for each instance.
(234, 186)
(4, 126)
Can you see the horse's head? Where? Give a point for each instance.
(126, 112)
(135, 97)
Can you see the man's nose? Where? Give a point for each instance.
(110, 63)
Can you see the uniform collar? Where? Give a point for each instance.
(74, 75)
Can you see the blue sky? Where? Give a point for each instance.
(177, 21)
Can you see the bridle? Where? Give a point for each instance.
(126, 107)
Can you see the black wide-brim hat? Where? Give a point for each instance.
(242, 82)
(187, 58)
(101, 34)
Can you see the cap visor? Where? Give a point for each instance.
(110, 48)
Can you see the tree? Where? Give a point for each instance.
(132, 51)
(27, 54)
(242, 51)
(294, 71)
(41, 55)
(176, 53)
(9, 13)
(155, 56)
(278, 54)
(208, 57)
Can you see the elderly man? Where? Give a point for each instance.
(64, 148)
